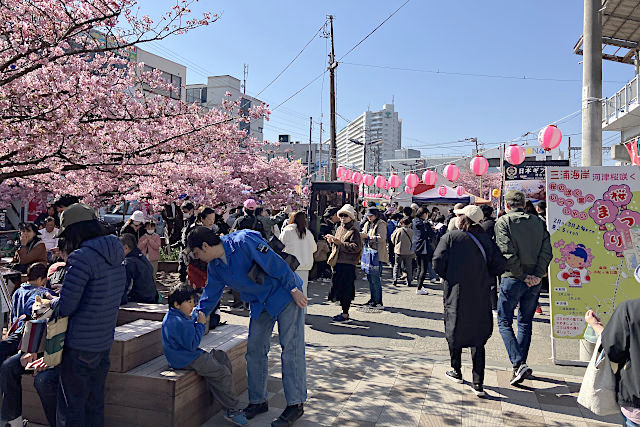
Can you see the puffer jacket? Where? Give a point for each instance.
(523, 239)
(141, 285)
(91, 293)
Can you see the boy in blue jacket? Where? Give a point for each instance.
(182, 330)
(22, 301)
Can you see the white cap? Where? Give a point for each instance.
(473, 212)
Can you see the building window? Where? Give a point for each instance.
(175, 81)
(197, 95)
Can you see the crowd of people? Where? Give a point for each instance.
(487, 267)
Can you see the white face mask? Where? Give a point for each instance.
(150, 231)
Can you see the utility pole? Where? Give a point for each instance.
(477, 154)
(320, 167)
(569, 140)
(592, 84)
(244, 79)
(309, 155)
(332, 95)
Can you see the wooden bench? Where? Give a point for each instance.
(136, 310)
(153, 394)
(135, 343)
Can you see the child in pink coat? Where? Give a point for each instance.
(149, 243)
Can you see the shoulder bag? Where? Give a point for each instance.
(598, 390)
(56, 331)
(333, 256)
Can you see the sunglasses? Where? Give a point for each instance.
(343, 215)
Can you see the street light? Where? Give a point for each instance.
(364, 149)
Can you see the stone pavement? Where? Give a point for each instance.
(387, 369)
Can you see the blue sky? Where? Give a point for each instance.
(507, 38)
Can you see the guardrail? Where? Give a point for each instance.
(618, 104)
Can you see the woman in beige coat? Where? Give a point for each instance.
(374, 234)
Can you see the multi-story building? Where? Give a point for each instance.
(307, 154)
(171, 71)
(210, 95)
(376, 134)
(405, 161)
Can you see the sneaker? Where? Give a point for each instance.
(255, 409)
(422, 291)
(340, 318)
(454, 376)
(236, 417)
(378, 306)
(289, 416)
(478, 390)
(522, 373)
(539, 310)
(325, 280)
(495, 313)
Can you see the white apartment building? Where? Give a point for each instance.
(211, 95)
(172, 72)
(381, 131)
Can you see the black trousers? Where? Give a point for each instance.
(477, 357)
(493, 292)
(423, 267)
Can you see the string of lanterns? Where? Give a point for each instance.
(549, 138)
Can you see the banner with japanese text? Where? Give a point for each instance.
(529, 177)
(593, 216)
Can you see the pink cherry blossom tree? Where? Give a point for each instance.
(471, 182)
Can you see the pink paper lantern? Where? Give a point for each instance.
(460, 190)
(549, 137)
(395, 181)
(356, 178)
(387, 185)
(429, 177)
(514, 154)
(368, 180)
(442, 191)
(409, 190)
(411, 180)
(379, 181)
(479, 165)
(340, 171)
(451, 172)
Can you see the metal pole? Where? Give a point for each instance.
(332, 96)
(636, 62)
(592, 85)
(569, 141)
(320, 152)
(309, 156)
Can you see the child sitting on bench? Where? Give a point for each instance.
(182, 330)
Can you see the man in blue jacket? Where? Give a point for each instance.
(279, 298)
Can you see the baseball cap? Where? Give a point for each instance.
(473, 212)
(514, 197)
(77, 212)
(330, 211)
(250, 204)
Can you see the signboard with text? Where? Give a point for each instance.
(593, 216)
(529, 177)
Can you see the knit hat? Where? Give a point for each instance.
(349, 210)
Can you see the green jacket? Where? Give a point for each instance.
(523, 239)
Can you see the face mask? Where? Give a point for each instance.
(150, 231)
(187, 215)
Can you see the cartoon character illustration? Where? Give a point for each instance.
(574, 265)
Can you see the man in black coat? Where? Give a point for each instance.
(141, 286)
(487, 225)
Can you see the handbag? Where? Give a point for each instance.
(598, 390)
(333, 256)
(369, 260)
(56, 331)
(33, 336)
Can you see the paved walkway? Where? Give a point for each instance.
(387, 369)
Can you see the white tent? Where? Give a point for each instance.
(402, 198)
(450, 197)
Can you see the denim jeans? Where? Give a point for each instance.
(81, 389)
(515, 292)
(46, 384)
(628, 422)
(375, 284)
(10, 377)
(291, 335)
(431, 271)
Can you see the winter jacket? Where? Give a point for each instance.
(350, 251)
(377, 238)
(401, 239)
(242, 250)
(91, 293)
(33, 252)
(23, 299)
(249, 222)
(150, 244)
(524, 241)
(181, 337)
(128, 229)
(422, 234)
(302, 248)
(621, 342)
(467, 307)
(488, 225)
(141, 285)
(268, 222)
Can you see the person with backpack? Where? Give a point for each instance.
(249, 221)
(401, 240)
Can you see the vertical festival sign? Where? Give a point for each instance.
(593, 216)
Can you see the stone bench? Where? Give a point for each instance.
(153, 394)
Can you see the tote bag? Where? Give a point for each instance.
(56, 331)
(369, 260)
(598, 390)
(33, 336)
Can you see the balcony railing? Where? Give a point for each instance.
(619, 104)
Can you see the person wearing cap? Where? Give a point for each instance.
(374, 234)
(451, 225)
(31, 249)
(249, 221)
(90, 297)
(278, 299)
(524, 241)
(134, 225)
(347, 242)
(466, 259)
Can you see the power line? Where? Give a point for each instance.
(293, 60)
(299, 90)
(462, 74)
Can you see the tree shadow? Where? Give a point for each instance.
(415, 313)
